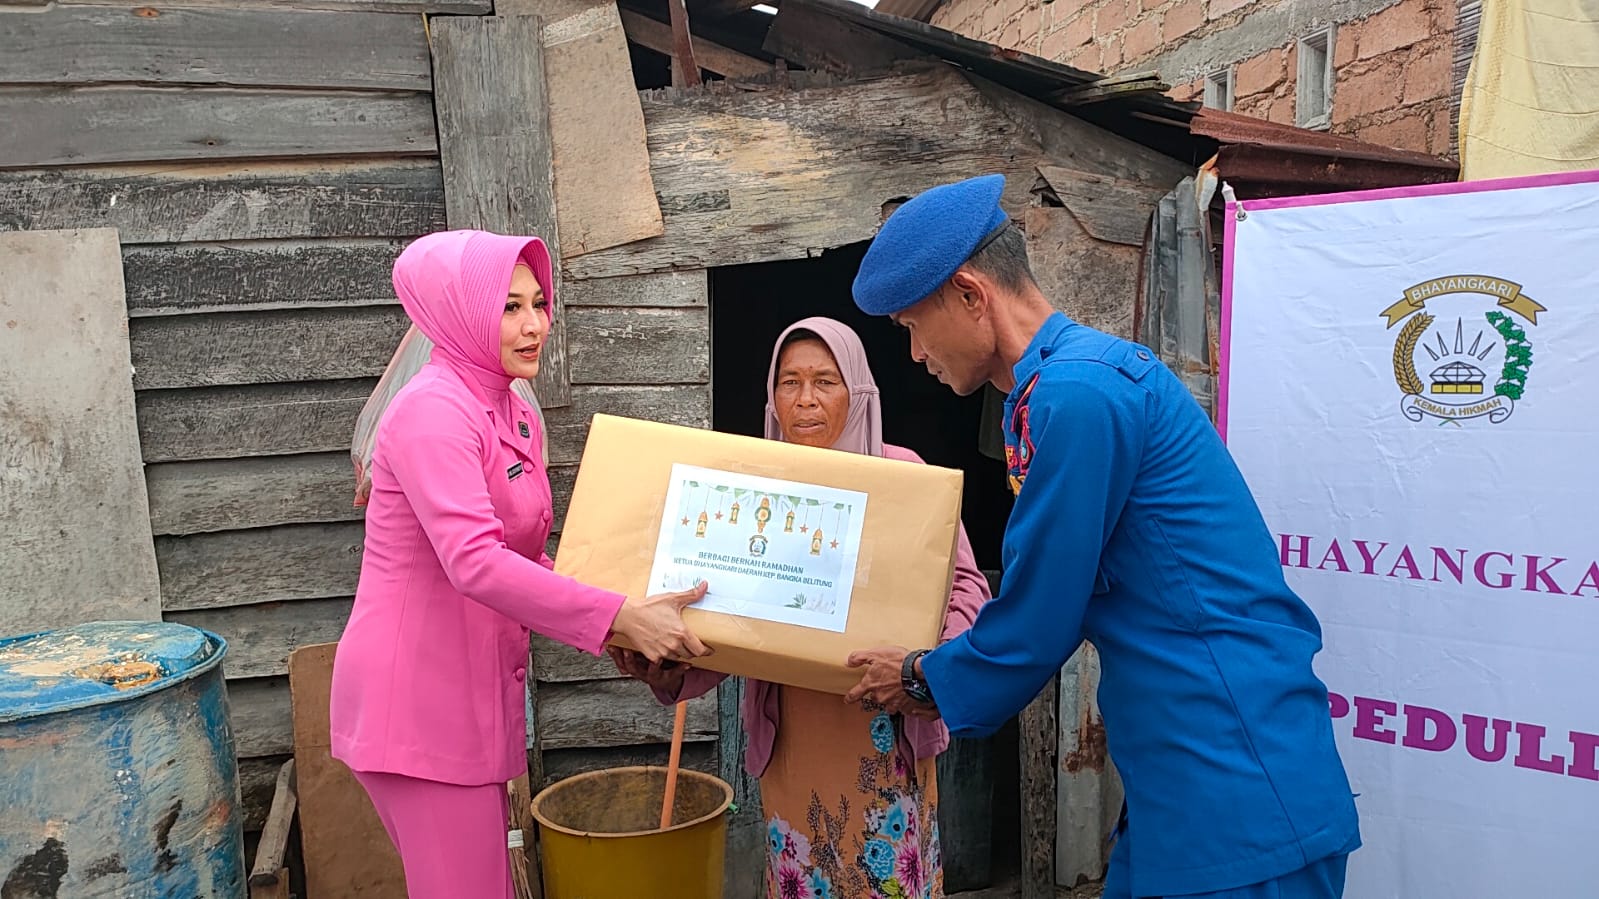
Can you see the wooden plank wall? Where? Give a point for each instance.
(640, 346)
(263, 166)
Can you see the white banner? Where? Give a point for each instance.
(1410, 383)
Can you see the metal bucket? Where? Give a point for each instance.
(117, 768)
(600, 835)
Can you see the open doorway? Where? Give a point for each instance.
(750, 305)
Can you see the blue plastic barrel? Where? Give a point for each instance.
(117, 769)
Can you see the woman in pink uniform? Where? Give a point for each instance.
(428, 704)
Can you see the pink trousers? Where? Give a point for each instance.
(451, 839)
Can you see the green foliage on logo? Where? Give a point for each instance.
(1518, 356)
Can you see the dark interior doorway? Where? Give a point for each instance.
(750, 306)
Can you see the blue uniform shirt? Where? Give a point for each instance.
(1134, 529)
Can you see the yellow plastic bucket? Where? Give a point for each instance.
(601, 837)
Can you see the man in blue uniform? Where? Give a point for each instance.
(1133, 529)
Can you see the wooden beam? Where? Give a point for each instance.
(235, 568)
(640, 346)
(720, 9)
(226, 494)
(268, 874)
(152, 124)
(234, 47)
(250, 420)
(713, 57)
(260, 637)
(1111, 88)
(204, 202)
(685, 69)
(264, 347)
(164, 278)
(616, 712)
(494, 141)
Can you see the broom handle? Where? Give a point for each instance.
(678, 725)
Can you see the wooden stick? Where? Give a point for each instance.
(678, 725)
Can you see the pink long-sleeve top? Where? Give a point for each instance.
(917, 738)
(430, 674)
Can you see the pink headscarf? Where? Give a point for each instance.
(863, 426)
(453, 286)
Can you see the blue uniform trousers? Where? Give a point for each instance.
(1319, 880)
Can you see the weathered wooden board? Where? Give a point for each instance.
(495, 145)
(639, 346)
(1071, 142)
(342, 840)
(227, 494)
(260, 637)
(224, 201)
(112, 124)
(615, 713)
(687, 405)
(1095, 282)
(431, 7)
(755, 176)
(713, 57)
(262, 716)
(1038, 750)
(660, 289)
(603, 193)
(555, 662)
(233, 568)
(264, 347)
(72, 497)
(252, 420)
(560, 764)
(257, 779)
(166, 279)
(1109, 209)
(108, 44)
(562, 479)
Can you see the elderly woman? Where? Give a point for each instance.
(848, 791)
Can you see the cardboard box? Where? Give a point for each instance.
(778, 527)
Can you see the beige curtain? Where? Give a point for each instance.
(1531, 100)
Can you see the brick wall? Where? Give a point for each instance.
(1391, 58)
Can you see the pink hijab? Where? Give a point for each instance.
(453, 285)
(863, 426)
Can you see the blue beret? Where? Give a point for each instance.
(925, 241)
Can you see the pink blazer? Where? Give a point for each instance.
(430, 673)
(918, 739)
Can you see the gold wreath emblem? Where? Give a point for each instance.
(1405, 354)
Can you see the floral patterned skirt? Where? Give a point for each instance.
(845, 818)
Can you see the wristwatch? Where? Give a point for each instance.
(915, 687)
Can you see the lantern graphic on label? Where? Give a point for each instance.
(788, 522)
(732, 516)
(816, 542)
(763, 515)
(699, 529)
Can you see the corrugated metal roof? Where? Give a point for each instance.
(1269, 159)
